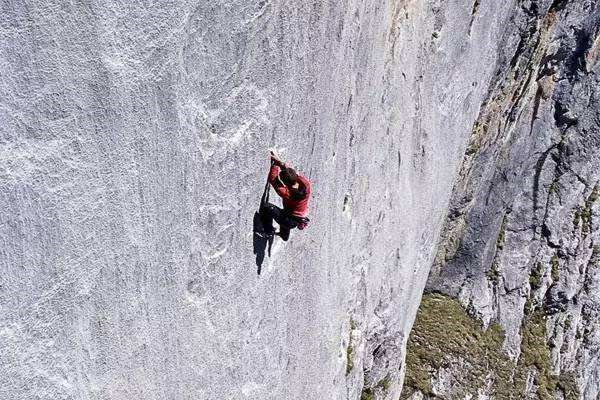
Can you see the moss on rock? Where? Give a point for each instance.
(493, 274)
(586, 213)
(367, 394)
(350, 349)
(501, 234)
(576, 218)
(554, 273)
(445, 336)
(595, 258)
(537, 274)
(383, 385)
(442, 333)
(349, 359)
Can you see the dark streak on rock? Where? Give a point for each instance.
(473, 12)
(539, 166)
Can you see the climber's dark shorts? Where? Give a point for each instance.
(286, 221)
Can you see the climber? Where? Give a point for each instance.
(294, 190)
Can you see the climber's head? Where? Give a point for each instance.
(289, 177)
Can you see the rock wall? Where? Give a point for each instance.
(133, 141)
(520, 250)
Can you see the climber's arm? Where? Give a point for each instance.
(280, 188)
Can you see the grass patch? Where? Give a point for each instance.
(554, 268)
(443, 331)
(568, 323)
(493, 274)
(553, 187)
(502, 234)
(367, 394)
(479, 131)
(528, 307)
(349, 360)
(445, 336)
(385, 383)
(350, 350)
(586, 213)
(537, 274)
(595, 258)
(576, 218)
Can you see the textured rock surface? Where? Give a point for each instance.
(133, 138)
(520, 246)
(133, 142)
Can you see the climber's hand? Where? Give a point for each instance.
(275, 160)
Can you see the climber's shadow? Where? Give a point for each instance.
(261, 241)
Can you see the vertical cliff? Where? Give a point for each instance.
(133, 143)
(516, 276)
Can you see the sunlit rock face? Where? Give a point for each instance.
(520, 248)
(133, 154)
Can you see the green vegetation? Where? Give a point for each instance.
(537, 274)
(385, 383)
(554, 268)
(576, 218)
(553, 187)
(583, 214)
(442, 331)
(472, 149)
(595, 258)
(568, 322)
(445, 336)
(567, 384)
(535, 352)
(349, 361)
(477, 135)
(350, 349)
(493, 274)
(502, 234)
(528, 307)
(369, 393)
(586, 213)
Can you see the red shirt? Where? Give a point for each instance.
(298, 208)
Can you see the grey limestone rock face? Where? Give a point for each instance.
(133, 151)
(521, 238)
(133, 143)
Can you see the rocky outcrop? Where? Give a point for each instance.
(133, 143)
(520, 247)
